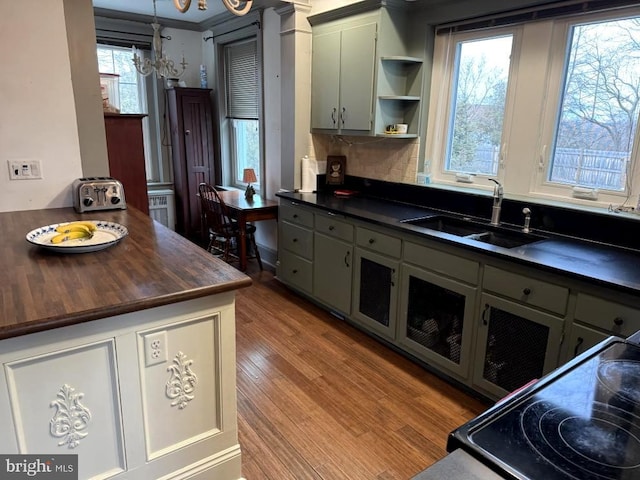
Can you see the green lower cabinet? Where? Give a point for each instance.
(515, 344)
(436, 319)
(333, 267)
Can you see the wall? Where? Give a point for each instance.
(388, 159)
(38, 118)
(185, 43)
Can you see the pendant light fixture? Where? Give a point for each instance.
(161, 64)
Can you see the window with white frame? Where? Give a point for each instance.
(133, 95)
(477, 107)
(117, 61)
(242, 96)
(598, 111)
(550, 107)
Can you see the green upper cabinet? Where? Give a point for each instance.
(367, 70)
(343, 64)
(357, 65)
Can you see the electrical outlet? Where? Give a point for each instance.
(24, 169)
(155, 348)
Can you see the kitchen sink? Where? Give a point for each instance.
(505, 239)
(454, 226)
(474, 231)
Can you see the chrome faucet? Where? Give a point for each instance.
(498, 192)
(527, 219)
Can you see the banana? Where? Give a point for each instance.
(77, 227)
(72, 235)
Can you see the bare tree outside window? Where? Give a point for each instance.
(599, 110)
(478, 105)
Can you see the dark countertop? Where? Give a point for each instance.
(607, 265)
(151, 267)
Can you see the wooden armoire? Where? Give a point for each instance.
(125, 148)
(191, 123)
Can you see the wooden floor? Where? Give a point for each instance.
(319, 399)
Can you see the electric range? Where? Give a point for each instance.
(581, 421)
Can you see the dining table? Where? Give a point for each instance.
(245, 210)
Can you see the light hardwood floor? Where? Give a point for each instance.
(319, 399)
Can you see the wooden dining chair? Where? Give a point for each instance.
(223, 231)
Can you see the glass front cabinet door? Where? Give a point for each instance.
(436, 318)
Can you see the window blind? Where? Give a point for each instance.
(544, 11)
(241, 77)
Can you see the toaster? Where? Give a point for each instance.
(98, 193)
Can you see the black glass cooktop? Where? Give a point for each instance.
(582, 423)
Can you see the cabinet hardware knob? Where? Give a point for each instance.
(371, 241)
(294, 240)
(187, 132)
(331, 228)
(295, 271)
(346, 259)
(577, 349)
(333, 116)
(618, 321)
(527, 291)
(295, 215)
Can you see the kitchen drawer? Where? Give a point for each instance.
(379, 242)
(292, 213)
(445, 263)
(607, 315)
(582, 339)
(295, 271)
(529, 291)
(334, 227)
(297, 240)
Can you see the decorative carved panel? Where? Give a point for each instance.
(182, 383)
(71, 417)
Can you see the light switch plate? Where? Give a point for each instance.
(24, 169)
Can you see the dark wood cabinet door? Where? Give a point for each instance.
(125, 146)
(191, 120)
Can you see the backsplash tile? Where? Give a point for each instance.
(387, 159)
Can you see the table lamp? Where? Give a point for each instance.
(249, 176)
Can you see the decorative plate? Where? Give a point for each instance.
(106, 235)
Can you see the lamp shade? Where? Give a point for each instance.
(249, 176)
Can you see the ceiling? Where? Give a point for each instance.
(165, 9)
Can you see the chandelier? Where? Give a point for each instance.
(161, 64)
(237, 7)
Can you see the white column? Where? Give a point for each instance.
(295, 50)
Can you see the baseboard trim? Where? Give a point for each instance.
(224, 464)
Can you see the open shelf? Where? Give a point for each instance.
(407, 98)
(401, 59)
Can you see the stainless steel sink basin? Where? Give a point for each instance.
(505, 238)
(497, 236)
(451, 225)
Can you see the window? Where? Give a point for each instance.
(598, 114)
(472, 116)
(136, 96)
(242, 98)
(477, 106)
(549, 107)
(117, 60)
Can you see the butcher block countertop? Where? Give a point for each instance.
(151, 267)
